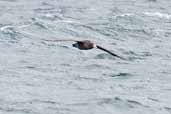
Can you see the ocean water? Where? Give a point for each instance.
(38, 77)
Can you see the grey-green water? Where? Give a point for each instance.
(54, 78)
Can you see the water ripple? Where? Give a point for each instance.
(168, 109)
(50, 78)
(104, 56)
(124, 75)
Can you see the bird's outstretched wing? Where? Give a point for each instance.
(62, 40)
(101, 48)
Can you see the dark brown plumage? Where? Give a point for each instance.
(86, 45)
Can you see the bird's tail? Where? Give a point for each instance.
(101, 48)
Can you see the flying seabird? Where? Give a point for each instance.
(86, 45)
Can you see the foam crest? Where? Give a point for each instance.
(158, 14)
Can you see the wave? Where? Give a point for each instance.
(157, 14)
(152, 14)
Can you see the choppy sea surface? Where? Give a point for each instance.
(39, 77)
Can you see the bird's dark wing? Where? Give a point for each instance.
(101, 48)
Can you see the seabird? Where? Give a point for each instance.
(87, 45)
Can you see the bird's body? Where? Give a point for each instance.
(87, 45)
(84, 45)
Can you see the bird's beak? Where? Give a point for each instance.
(75, 45)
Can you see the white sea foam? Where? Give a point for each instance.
(124, 15)
(158, 14)
(5, 27)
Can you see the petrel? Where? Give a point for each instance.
(87, 45)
